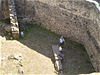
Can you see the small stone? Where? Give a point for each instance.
(11, 38)
(20, 61)
(9, 34)
(10, 57)
(3, 58)
(22, 33)
(7, 28)
(20, 64)
(78, 66)
(20, 70)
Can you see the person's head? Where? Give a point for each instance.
(60, 48)
(61, 37)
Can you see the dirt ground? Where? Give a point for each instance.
(37, 57)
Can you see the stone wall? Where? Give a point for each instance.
(28, 13)
(4, 11)
(13, 19)
(78, 20)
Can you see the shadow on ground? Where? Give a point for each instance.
(76, 59)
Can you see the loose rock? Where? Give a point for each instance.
(7, 28)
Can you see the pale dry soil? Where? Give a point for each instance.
(37, 56)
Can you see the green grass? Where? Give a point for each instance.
(7, 21)
(72, 44)
(37, 27)
(31, 26)
(75, 45)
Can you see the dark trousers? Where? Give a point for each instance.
(62, 44)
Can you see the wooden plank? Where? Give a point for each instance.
(58, 63)
(55, 49)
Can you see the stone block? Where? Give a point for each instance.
(15, 34)
(14, 29)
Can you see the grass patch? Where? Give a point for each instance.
(34, 27)
(71, 44)
(88, 62)
(7, 21)
(37, 27)
(75, 45)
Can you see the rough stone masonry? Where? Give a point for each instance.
(78, 20)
